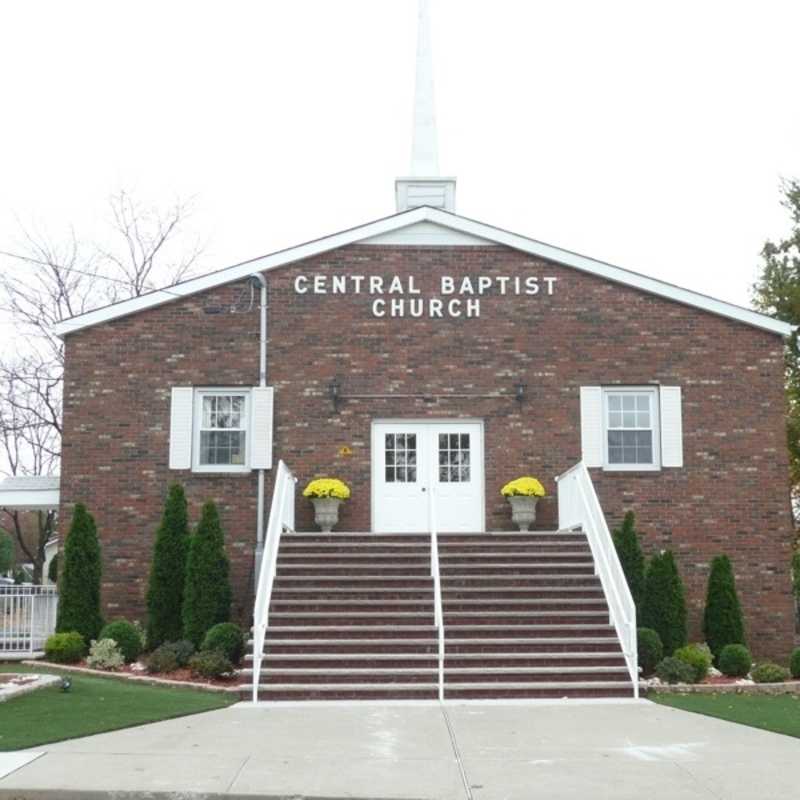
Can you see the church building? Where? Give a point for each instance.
(427, 359)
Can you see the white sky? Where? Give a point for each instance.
(649, 134)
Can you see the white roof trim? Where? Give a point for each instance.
(30, 493)
(448, 220)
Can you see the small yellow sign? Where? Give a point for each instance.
(344, 450)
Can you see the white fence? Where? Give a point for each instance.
(27, 618)
(578, 506)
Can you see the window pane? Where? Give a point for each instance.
(643, 402)
(465, 474)
(411, 474)
(615, 438)
(628, 420)
(444, 474)
(208, 410)
(614, 402)
(454, 441)
(411, 441)
(389, 458)
(643, 419)
(465, 441)
(615, 419)
(390, 441)
(443, 441)
(389, 474)
(628, 402)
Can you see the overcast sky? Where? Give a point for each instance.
(649, 134)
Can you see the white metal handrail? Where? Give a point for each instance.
(281, 517)
(438, 614)
(27, 618)
(578, 506)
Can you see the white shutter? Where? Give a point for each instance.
(180, 427)
(671, 427)
(592, 426)
(261, 444)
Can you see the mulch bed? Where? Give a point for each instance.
(179, 677)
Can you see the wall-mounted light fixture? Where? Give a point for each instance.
(520, 392)
(334, 392)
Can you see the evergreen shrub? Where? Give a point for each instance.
(735, 661)
(631, 558)
(168, 571)
(651, 650)
(722, 621)
(698, 657)
(105, 654)
(162, 659)
(210, 664)
(226, 637)
(79, 586)
(769, 672)
(126, 636)
(67, 647)
(207, 593)
(794, 663)
(664, 605)
(673, 670)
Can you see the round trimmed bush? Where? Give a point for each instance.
(673, 670)
(769, 672)
(162, 659)
(228, 639)
(126, 636)
(794, 663)
(735, 661)
(651, 651)
(65, 648)
(698, 657)
(210, 664)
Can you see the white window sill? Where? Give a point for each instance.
(631, 468)
(221, 470)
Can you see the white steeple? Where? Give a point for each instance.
(424, 186)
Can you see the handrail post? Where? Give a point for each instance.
(438, 613)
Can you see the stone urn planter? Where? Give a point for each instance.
(326, 512)
(523, 511)
(523, 494)
(327, 495)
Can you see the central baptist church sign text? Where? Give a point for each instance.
(401, 297)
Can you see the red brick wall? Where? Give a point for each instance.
(731, 496)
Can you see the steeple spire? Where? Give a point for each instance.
(425, 149)
(424, 186)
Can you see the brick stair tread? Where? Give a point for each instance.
(346, 656)
(570, 685)
(552, 670)
(489, 655)
(382, 642)
(516, 614)
(336, 687)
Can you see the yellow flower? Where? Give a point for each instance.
(327, 487)
(525, 487)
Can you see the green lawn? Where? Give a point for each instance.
(776, 713)
(93, 705)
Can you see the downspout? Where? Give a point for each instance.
(258, 278)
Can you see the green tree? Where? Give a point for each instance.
(626, 542)
(722, 621)
(79, 587)
(168, 572)
(664, 606)
(207, 592)
(52, 569)
(777, 292)
(6, 552)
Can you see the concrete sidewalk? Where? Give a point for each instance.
(511, 751)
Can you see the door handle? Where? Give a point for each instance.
(424, 489)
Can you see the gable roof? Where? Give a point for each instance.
(471, 229)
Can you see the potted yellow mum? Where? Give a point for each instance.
(523, 494)
(326, 494)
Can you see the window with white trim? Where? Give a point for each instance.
(221, 422)
(631, 428)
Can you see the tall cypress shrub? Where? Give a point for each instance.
(168, 572)
(664, 605)
(207, 592)
(79, 586)
(631, 558)
(722, 621)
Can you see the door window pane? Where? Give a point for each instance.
(454, 458)
(400, 458)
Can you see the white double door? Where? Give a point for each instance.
(426, 469)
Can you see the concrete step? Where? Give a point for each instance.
(359, 691)
(452, 605)
(527, 630)
(373, 605)
(522, 690)
(280, 619)
(345, 647)
(345, 631)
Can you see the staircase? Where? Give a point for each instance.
(352, 617)
(526, 617)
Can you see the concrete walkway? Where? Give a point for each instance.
(515, 752)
